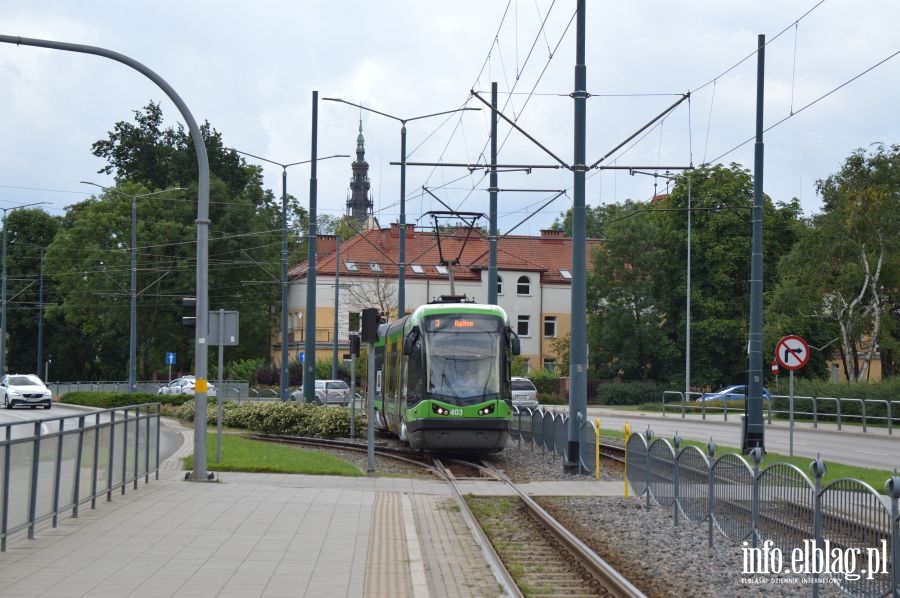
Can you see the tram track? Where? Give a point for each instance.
(545, 558)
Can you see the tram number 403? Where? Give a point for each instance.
(442, 411)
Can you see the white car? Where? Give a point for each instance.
(185, 385)
(327, 392)
(24, 389)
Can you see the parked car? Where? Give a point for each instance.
(328, 392)
(24, 389)
(185, 385)
(732, 393)
(524, 393)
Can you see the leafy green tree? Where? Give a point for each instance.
(638, 282)
(721, 199)
(843, 276)
(92, 250)
(29, 232)
(626, 327)
(593, 222)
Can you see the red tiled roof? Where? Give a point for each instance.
(547, 254)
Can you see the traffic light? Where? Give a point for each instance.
(370, 321)
(189, 303)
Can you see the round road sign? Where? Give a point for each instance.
(792, 352)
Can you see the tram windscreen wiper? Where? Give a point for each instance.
(446, 383)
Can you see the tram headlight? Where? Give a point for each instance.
(487, 410)
(439, 410)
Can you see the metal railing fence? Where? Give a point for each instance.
(778, 507)
(837, 410)
(52, 466)
(548, 430)
(845, 529)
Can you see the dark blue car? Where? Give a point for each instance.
(732, 393)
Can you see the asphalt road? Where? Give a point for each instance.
(875, 448)
(169, 441)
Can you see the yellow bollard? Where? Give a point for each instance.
(627, 435)
(597, 445)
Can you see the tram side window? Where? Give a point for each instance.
(415, 374)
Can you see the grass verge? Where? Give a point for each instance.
(255, 456)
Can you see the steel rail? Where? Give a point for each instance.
(614, 582)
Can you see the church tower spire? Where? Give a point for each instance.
(360, 205)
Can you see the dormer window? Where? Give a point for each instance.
(442, 269)
(375, 266)
(351, 266)
(417, 268)
(565, 274)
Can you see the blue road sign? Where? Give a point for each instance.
(300, 356)
(170, 359)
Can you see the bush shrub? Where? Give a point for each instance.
(625, 393)
(281, 417)
(109, 400)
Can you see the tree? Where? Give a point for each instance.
(29, 232)
(378, 292)
(626, 326)
(845, 269)
(638, 282)
(92, 249)
(721, 226)
(593, 222)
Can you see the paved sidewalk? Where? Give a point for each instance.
(271, 535)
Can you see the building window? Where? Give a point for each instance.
(523, 287)
(523, 326)
(566, 274)
(417, 269)
(375, 266)
(550, 326)
(550, 365)
(442, 270)
(499, 285)
(351, 266)
(354, 317)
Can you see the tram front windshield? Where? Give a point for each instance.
(464, 358)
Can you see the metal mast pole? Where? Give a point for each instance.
(3, 299)
(132, 344)
(40, 338)
(578, 348)
(401, 276)
(309, 343)
(492, 235)
(754, 426)
(283, 382)
(337, 304)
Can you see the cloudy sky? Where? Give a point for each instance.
(250, 69)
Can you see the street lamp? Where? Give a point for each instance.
(132, 336)
(283, 387)
(401, 278)
(3, 285)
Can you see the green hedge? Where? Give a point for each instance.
(109, 400)
(625, 393)
(277, 417)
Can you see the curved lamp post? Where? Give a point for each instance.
(132, 336)
(401, 278)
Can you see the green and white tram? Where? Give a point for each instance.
(443, 377)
